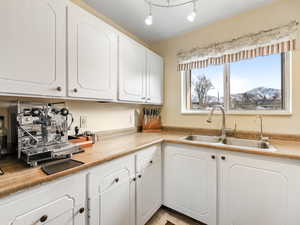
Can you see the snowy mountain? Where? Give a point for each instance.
(259, 93)
(256, 94)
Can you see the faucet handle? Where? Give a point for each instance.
(265, 139)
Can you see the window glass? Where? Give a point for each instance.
(256, 84)
(207, 87)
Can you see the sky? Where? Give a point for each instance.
(246, 75)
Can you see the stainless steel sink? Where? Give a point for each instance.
(257, 144)
(234, 142)
(202, 138)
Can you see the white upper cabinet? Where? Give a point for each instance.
(258, 190)
(155, 78)
(132, 70)
(190, 181)
(32, 47)
(93, 56)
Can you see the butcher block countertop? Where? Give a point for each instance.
(18, 177)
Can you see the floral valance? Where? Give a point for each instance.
(276, 40)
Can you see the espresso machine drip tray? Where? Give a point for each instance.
(60, 151)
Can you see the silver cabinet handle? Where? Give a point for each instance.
(148, 99)
(143, 98)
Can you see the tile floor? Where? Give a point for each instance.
(165, 216)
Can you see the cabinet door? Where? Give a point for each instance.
(93, 56)
(149, 183)
(32, 43)
(112, 193)
(132, 70)
(258, 190)
(51, 203)
(155, 72)
(51, 213)
(190, 181)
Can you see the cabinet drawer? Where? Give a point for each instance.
(148, 157)
(115, 179)
(46, 212)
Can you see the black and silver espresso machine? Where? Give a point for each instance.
(40, 131)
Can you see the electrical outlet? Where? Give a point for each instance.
(131, 118)
(83, 122)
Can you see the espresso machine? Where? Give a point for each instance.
(39, 132)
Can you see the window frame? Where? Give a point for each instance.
(286, 85)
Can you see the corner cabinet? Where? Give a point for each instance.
(155, 78)
(51, 204)
(148, 183)
(92, 56)
(140, 73)
(111, 193)
(33, 47)
(190, 181)
(132, 70)
(258, 190)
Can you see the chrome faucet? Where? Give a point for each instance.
(209, 120)
(262, 138)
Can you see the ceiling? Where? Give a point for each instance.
(169, 22)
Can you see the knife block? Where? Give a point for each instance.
(151, 123)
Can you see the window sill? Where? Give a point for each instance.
(243, 113)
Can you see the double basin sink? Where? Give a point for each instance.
(232, 142)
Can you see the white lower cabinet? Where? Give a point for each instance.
(212, 186)
(149, 183)
(258, 190)
(190, 181)
(111, 193)
(62, 202)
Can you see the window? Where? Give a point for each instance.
(258, 85)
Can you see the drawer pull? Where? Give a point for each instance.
(81, 210)
(223, 158)
(213, 157)
(43, 218)
(59, 88)
(75, 90)
(117, 180)
(151, 161)
(139, 176)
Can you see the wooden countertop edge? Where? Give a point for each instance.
(5, 192)
(17, 188)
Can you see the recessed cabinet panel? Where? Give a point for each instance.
(258, 191)
(149, 183)
(111, 192)
(53, 211)
(32, 43)
(93, 56)
(51, 203)
(155, 72)
(190, 182)
(132, 70)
